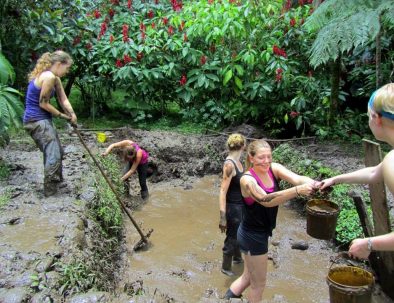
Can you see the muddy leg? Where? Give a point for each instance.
(46, 138)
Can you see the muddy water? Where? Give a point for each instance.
(185, 257)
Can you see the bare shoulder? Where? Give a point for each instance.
(388, 171)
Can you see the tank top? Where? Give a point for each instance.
(33, 111)
(234, 195)
(256, 216)
(145, 155)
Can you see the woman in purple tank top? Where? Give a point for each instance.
(262, 196)
(44, 84)
(136, 160)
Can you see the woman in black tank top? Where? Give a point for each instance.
(230, 202)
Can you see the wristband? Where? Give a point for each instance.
(369, 244)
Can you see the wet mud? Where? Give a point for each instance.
(182, 262)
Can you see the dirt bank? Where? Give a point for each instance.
(39, 233)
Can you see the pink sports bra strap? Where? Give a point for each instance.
(266, 189)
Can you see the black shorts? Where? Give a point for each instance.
(252, 242)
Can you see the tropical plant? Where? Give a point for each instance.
(11, 108)
(343, 26)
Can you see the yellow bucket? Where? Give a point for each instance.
(101, 137)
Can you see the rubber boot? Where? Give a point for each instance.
(229, 295)
(237, 258)
(144, 194)
(226, 265)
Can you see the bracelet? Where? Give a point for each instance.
(369, 244)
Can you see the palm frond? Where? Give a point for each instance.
(6, 70)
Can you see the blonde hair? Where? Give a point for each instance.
(384, 99)
(46, 61)
(253, 148)
(235, 142)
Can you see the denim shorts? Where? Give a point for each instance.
(252, 242)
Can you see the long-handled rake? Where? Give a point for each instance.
(143, 242)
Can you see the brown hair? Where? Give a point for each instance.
(129, 153)
(47, 60)
(235, 142)
(252, 150)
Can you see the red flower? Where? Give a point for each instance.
(129, 3)
(151, 14)
(111, 12)
(311, 1)
(183, 80)
(143, 35)
(288, 5)
(278, 76)
(103, 28)
(125, 29)
(165, 20)
(127, 59)
(115, 2)
(140, 55)
(170, 30)
(279, 51)
(88, 46)
(76, 40)
(292, 22)
(153, 25)
(203, 60)
(119, 63)
(156, 2)
(184, 37)
(294, 114)
(210, 1)
(111, 39)
(301, 2)
(142, 27)
(176, 6)
(96, 14)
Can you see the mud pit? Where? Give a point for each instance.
(183, 262)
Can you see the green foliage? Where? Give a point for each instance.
(4, 170)
(11, 108)
(5, 197)
(344, 25)
(348, 224)
(106, 208)
(76, 277)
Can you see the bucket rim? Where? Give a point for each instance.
(335, 206)
(329, 280)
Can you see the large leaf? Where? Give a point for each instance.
(227, 76)
(7, 73)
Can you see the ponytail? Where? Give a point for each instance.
(47, 60)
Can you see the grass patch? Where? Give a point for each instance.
(5, 198)
(5, 170)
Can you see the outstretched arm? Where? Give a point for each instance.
(366, 175)
(250, 188)
(119, 144)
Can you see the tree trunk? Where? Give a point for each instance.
(378, 58)
(335, 79)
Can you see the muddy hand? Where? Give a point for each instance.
(222, 222)
(327, 183)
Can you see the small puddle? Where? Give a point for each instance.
(33, 233)
(184, 259)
